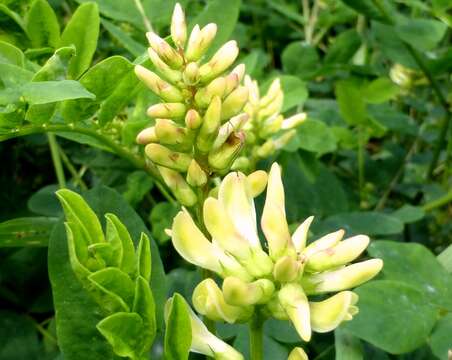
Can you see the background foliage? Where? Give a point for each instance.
(373, 157)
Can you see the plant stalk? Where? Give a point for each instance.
(256, 327)
(56, 159)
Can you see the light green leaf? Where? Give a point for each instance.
(223, 13)
(178, 334)
(295, 92)
(13, 75)
(445, 258)
(123, 331)
(134, 47)
(144, 257)
(441, 339)
(42, 25)
(56, 66)
(380, 90)
(410, 317)
(27, 231)
(347, 346)
(44, 92)
(316, 136)
(124, 10)
(9, 54)
(82, 31)
(351, 103)
(300, 59)
(415, 265)
(423, 34)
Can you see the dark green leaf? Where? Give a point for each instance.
(441, 339)
(42, 25)
(28, 231)
(347, 346)
(423, 34)
(351, 103)
(295, 92)
(161, 218)
(124, 10)
(344, 47)
(178, 330)
(315, 136)
(367, 8)
(409, 214)
(300, 59)
(134, 47)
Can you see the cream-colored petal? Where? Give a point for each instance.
(325, 242)
(300, 235)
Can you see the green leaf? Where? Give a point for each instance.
(42, 25)
(415, 265)
(56, 66)
(423, 34)
(441, 339)
(139, 183)
(134, 47)
(27, 231)
(178, 334)
(445, 258)
(44, 202)
(9, 54)
(44, 92)
(223, 13)
(409, 214)
(13, 75)
(367, 8)
(77, 312)
(82, 31)
(347, 346)
(123, 331)
(380, 90)
(405, 308)
(295, 92)
(14, 16)
(345, 45)
(300, 59)
(316, 136)
(144, 257)
(351, 103)
(370, 223)
(119, 10)
(161, 218)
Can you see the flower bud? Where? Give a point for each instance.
(167, 110)
(223, 157)
(242, 163)
(266, 149)
(271, 125)
(168, 132)
(240, 293)
(178, 27)
(325, 242)
(345, 278)
(301, 234)
(273, 222)
(191, 74)
(295, 303)
(163, 156)
(234, 124)
(234, 103)
(286, 269)
(273, 107)
(210, 126)
(284, 139)
(173, 76)
(293, 121)
(204, 96)
(195, 175)
(199, 41)
(208, 300)
(169, 56)
(240, 71)
(328, 314)
(182, 191)
(147, 136)
(298, 354)
(253, 90)
(219, 62)
(232, 81)
(192, 119)
(272, 94)
(160, 87)
(257, 182)
(340, 254)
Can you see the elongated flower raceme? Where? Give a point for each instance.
(266, 130)
(199, 119)
(274, 283)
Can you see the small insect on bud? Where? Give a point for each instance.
(178, 27)
(170, 56)
(147, 136)
(167, 110)
(199, 41)
(191, 74)
(222, 59)
(160, 87)
(163, 156)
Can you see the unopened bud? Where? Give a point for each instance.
(325, 242)
(204, 96)
(232, 81)
(208, 300)
(196, 176)
(240, 71)
(271, 125)
(173, 76)
(168, 132)
(300, 235)
(160, 87)
(273, 107)
(286, 269)
(273, 92)
(240, 293)
(191, 74)
(284, 139)
(222, 59)
(178, 26)
(223, 157)
(234, 103)
(293, 121)
(242, 163)
(181, 190)
(169, 56)
(147, 136)
(253, 90)
(167, 110)
(298, 354)
(266, 149)
(192, 119)
(257, 181)
(165, 157)
(210, 126)
(295, 302)
(342, 279)
(199, 41)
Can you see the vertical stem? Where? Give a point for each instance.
(361, 163)
(147, 23)
(56, 160)
(256, 337)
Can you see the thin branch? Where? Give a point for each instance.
(56, 160)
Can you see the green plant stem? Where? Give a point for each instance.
(146, 22)
(77, 178)
(443, 200)
(417, 57)
(361, 175)
(256, 327)
(56, 159)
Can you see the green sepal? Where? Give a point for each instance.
(178, 335)
(144, 261)
(144, 305)
(103, 252)
(123, 331)
(77, 253)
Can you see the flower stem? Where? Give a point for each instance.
(56, 159)
(256, 337)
